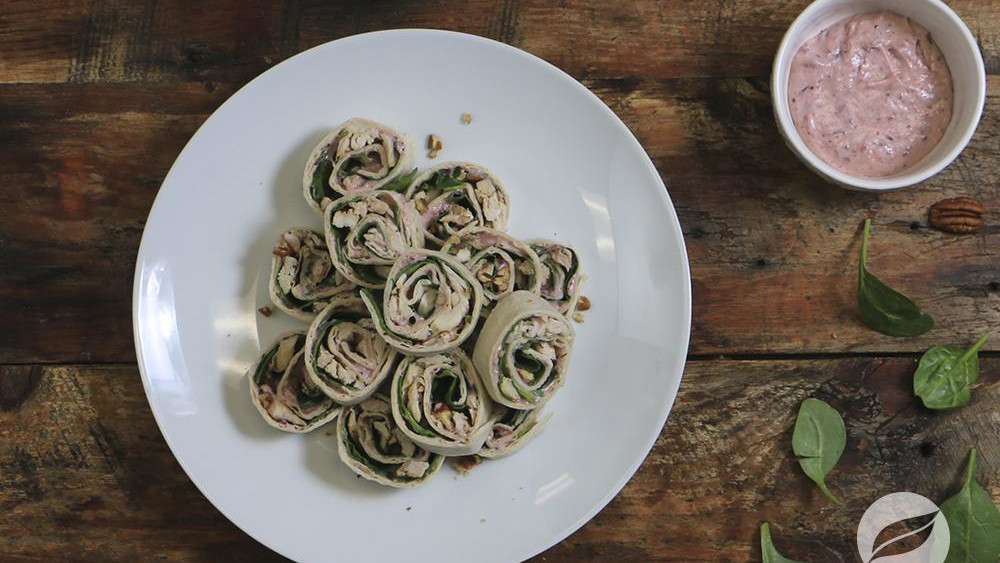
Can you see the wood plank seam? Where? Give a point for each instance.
(504, 27)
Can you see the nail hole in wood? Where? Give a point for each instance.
(927, 449)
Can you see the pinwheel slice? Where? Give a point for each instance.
(367, 232)
(281, 391)
(359, 155)
(561, 277)
(345, 356)
(440, 404)
(523, 351)
(454, 196)
(501, 263)
(303, 278)
(431, 303)
(374, 447)
(511, 430)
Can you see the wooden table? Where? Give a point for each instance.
(98, 97)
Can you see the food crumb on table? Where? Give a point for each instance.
(466, 118)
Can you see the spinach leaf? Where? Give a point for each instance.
(447, 180)
(529, 363)
(446, 388)
(401, 182)
(264, 367)
(945, 375)
(973, 521)
(884, 309)
(411, 421)
(374, 306)
(818, 441)
(320, 180)
(767, 551)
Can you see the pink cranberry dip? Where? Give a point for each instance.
(871, 95)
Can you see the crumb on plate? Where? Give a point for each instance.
(434, 145)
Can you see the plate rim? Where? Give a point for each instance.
(686, 294)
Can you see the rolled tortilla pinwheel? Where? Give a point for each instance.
(281, 391)
(303, 278)
(440, 404)
(345, 357)
(561, 276)
(523, 351)
(374, 447)
(500, 262)
(453, 196)
(359, 155)
(512, 430)
(431, 303)
(367, 232)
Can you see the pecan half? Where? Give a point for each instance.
(957, 215)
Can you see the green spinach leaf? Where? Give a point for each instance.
(767, 551)
(818, 441)
(945, 375)
(884, 309)
(401, 182)
(973, 521)
(447, 180)
(320, 180)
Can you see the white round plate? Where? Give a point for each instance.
(574, 172)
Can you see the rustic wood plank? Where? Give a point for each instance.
(230, 41)
(98, 97)
(773, 248)
(684, 38)
(36, 39)
(89, 477)
(722, 464)
(139, 40)
(82, 166)
(218, 41)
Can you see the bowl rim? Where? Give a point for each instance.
(794, 141)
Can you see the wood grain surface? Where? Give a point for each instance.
(98, 97)
(88, 476)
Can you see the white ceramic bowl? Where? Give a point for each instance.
(959, 49)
